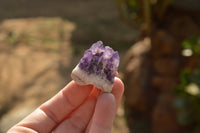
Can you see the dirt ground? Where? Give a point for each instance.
(41, 42)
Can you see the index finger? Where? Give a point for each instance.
(52, 112)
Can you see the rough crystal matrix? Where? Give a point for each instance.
(98, 67)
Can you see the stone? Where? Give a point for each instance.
(98, 67)
(136, 76)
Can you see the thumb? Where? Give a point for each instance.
(104, 114)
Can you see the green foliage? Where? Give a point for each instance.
(12, 39)
(192, 43)
(128, 11)
(187, 102)
(142, 11)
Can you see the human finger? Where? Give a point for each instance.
(79, 119)
(104, 114)
(52, 112)
(117, 91)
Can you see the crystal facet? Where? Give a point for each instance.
(98, 67)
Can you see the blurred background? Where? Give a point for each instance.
(158, 42)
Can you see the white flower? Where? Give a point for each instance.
(187, 52)
(193, 89)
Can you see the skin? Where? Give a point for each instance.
(75, 109)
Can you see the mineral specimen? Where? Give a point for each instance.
(98, 67)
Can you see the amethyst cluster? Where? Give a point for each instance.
(98, 66)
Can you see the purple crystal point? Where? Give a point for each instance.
(97, 47)
(98, 66)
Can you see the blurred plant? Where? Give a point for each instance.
(187, 102)
(159, 20)
(191, 46)
(142, 11)
(15, 38)
(12, 39)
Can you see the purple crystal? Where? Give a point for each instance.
(100, 60)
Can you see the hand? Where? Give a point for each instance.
(75, 109)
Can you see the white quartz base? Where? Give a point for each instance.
(82, 78)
